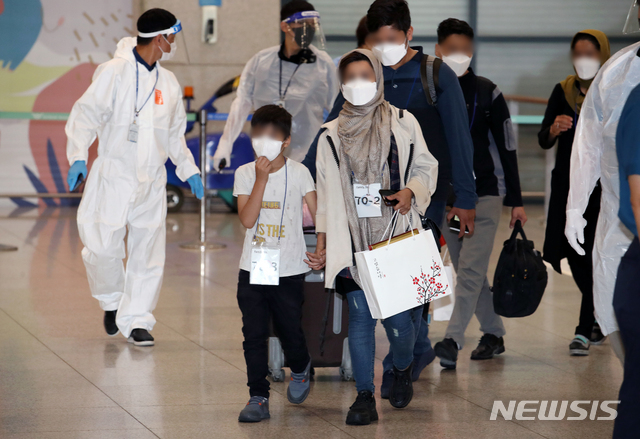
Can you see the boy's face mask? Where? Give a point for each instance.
(265, 146)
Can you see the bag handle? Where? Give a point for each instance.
(517, 229)
(394, 221)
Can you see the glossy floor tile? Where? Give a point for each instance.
(62, 377)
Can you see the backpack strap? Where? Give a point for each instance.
(401, 113)
(429, 75)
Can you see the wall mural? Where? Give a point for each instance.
(49, 52)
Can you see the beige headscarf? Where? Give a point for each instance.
(365, 137)
(571, 90)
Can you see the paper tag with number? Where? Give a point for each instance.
(367, 198)
(133, 133)
(265, 265)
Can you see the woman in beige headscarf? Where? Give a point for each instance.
(589, 50)
(376, 145)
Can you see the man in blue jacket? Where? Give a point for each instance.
(445, 127)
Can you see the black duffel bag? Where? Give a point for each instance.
(520, 278)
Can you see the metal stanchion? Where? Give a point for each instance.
(202, 244)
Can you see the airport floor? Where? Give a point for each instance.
(61, 376)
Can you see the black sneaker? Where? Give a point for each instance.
(579, 346)
(110, 323)
(141, 337)
(387, 378)
(401, 390)
(489, 346)
(447, 351)
(597, 337)
(363, 411)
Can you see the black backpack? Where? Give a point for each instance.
(520, 278)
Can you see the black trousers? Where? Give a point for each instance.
(626, 304)
(261, 304)
(582, 271)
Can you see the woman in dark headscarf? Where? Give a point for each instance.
(589, 50)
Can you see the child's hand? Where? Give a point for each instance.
(263, 168)
(316, 261)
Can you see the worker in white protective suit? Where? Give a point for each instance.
(295, 75)
(134, 107)
(593, 158)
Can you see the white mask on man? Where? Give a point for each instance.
(359, 91)
(586, 67)
(267, 147)
(390, 54)
(166, 56)
(459, 63)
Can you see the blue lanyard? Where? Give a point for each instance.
(149, 97)
(284, 203)
(473, 117)
(412, 85)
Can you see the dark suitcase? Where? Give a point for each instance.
(325, 323)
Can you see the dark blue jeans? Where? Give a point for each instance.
(626, 304)
(435, 212)
(362, 339)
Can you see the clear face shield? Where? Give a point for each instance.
(307, 29)
(632, 24)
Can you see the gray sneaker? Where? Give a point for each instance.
(256, 410)
(579, 346)
(299, 386)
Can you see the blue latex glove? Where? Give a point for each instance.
(195, 181)
(78, 168)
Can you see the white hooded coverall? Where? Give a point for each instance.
(313, 88)
(593, 157)
(126, 185)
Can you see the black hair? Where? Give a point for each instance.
(452, 26)
(362, 31)
(154, 20)
(394, 13)
(273, 115)
(293, 7)
(349, 58)
(587, 37)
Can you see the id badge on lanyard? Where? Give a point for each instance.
(367, 198)
(132, 136)
(265, 264)
(265, 257)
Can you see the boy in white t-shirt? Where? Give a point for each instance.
(270, 195)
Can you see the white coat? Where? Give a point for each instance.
(313, 88)
(593, 157)
(331, 216)
(126, 184)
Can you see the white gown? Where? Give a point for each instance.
(126, 184)
(594, 157)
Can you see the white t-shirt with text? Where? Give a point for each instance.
(299, 183)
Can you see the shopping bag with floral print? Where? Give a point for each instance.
(402, 273)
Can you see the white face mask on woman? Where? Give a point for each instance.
(267, 147)
(586, 67)
(459, 63)
(359, 91)
(390, 54)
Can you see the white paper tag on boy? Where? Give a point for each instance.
(367, 198)
(265, 265)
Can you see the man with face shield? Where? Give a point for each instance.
(593, 157)
(134, 106)
(295, 75)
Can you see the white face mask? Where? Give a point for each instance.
(166, 56)
(586, 68)
(359, 91)
(390, 54)
(459, 63)
(267, 147)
